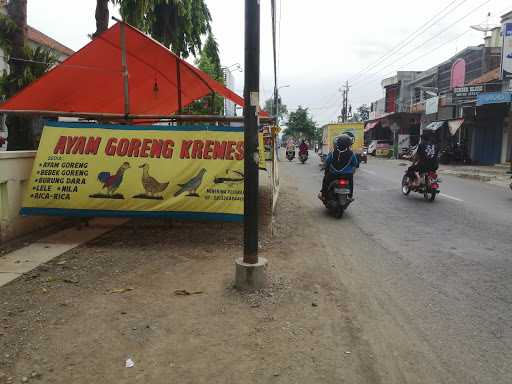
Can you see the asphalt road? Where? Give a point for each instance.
(430, 283)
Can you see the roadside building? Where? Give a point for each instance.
(397, 123)
(229, 82)
(463, 99)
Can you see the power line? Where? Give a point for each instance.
(397, 48)
(374, 77)
(433, 37)
(400, 46)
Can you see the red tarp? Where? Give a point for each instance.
(91, 80)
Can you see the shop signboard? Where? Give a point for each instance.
(494, 98)
(506, 64)
(468, 91)
(84, 169)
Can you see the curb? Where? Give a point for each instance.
(471, 176)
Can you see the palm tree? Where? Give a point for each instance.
(177, 24)
(17, 11)
(101, 17)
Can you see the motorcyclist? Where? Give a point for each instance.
(303, 147)
(341, 161)
(425, 159)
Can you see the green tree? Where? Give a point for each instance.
(209, 62)
(25, 66)
(177, 24)
(269, 107)
(300, 124)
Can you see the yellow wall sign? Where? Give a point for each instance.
(84, 169)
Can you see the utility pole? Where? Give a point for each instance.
(250, 270)
(344, 108)
(251, 100)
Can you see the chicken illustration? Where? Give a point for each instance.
(192, 185)
(150, 184)
(112, 182)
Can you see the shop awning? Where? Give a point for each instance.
(454, 125)
(369, 126)
(434, 126)
(91, 80)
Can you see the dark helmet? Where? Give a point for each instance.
(351, 136)
(343, 142)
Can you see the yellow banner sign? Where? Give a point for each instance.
(117, 170)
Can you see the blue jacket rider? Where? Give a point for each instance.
(340, 162)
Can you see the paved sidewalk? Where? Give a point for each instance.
(25, 259)
(494, 174)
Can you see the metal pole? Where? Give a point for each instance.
(178, 82)
(119, 116)
(124, 64)
(251, 98)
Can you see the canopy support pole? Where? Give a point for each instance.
(178, 81)
(124, 63)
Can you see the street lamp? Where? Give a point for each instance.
(237, 67)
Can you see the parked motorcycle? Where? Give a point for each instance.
(303, 156)
(337, 198)
(407, 153)
(429, 185)
(290, 154)
(454, 154)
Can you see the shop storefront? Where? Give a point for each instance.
(491, 135)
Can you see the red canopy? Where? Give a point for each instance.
(91, 80)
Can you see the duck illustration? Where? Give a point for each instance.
(192, 185)
(150, 184)
(112, 181)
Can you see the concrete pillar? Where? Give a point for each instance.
(251, 276)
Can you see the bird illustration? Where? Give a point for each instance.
(150, 184)
(192, 185)
(112, 182)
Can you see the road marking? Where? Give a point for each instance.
(369, 172)
(451, 197)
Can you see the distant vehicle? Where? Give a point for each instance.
(364, 155)
(303, 156)
(354, 129)
(378, 144)
(290, 153)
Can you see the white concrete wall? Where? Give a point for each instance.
(15, 170)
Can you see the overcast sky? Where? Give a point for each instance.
(321, 44)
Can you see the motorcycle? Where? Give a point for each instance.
(429, 185)
(337, 198)
(290, 154)
(456, 153)
(303, 156)
(364, 155)
(407, 153)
